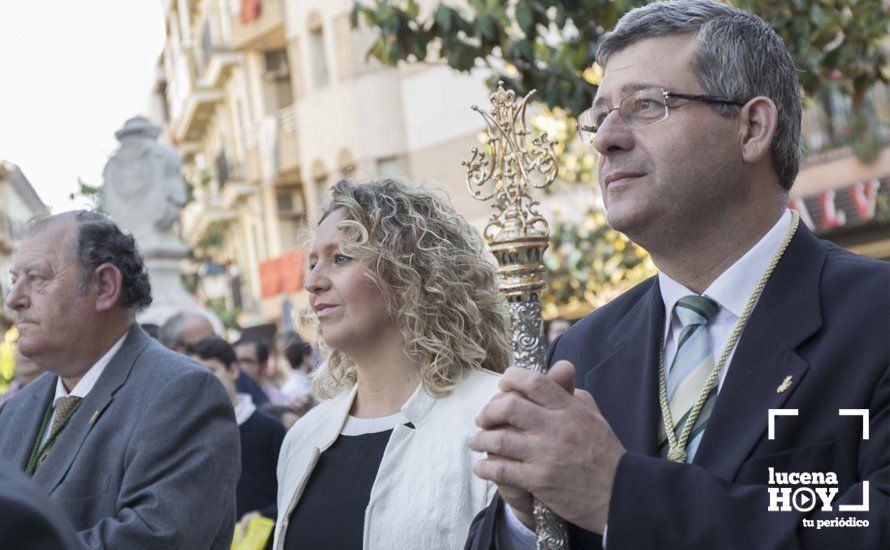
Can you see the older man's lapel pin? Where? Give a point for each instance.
(94, 417)
(786, 383)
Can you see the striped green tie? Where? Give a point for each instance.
(65, 407)
(691, 367)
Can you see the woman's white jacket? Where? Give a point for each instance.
(425, 494)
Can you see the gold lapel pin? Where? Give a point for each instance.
(786, 383)
(94, 417)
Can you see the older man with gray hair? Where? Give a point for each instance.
(672, 439)
(136, 444)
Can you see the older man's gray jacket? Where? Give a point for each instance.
(149, 460)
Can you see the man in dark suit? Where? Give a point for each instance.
(138, 445)
(668, 442)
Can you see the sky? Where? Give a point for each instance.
(71, 74)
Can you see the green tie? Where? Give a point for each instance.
(65, 407)
(691, 366)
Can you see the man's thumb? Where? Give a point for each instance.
(563, 372)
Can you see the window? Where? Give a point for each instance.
(222, 168)
(317, 54)
(388, 167)
(277, 80)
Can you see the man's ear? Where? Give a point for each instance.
(757, 126)
(109, 286)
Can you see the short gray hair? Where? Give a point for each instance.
(739, 57)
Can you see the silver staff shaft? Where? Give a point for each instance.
(518, 236)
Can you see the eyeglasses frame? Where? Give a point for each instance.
(716, 100)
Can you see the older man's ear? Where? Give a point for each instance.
(757, 126)
(109, 281)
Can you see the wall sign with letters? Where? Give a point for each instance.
(847, 206)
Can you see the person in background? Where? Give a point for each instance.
(281, 366)
(297, 388)
(287, 414)
(261, 434)
(26, 371)
(253, 360)
(187, 328)
(184, 329)
(382, 461)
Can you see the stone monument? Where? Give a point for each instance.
(143, 193)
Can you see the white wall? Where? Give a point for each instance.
(436, 105)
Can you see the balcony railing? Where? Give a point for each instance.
(287, 119)
(214, 38)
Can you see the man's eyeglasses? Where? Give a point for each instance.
(640, 109)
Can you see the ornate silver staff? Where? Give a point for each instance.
(518, 235)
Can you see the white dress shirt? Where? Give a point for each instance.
(297, 386)
(85, 385)
(244, 408)
(731, 291)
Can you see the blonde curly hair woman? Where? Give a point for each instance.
(416, 332)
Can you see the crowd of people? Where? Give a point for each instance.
(275, 375)
(269, 392)
(648, 431)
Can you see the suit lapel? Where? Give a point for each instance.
(60, 458)
(31, 415)
(787, 313)
(625, 383)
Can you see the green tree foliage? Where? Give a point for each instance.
(550, 45)
(7, 356)
(589, 264)
(91, 193)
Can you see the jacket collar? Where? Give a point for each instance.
(415, 410)
(60, 459)
(625, 383)
(788, 312)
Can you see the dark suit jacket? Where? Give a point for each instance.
(261, 438)
(245, 384)
(149, 460)
(823, 319)
(28, 519)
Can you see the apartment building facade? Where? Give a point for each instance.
(271, 101)
(18, 204)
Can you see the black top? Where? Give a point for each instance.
(261, 437)
(331, 512)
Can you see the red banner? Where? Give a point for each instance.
(281, 274)
(250, 10)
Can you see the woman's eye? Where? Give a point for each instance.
(311, 267)
(341, 259)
